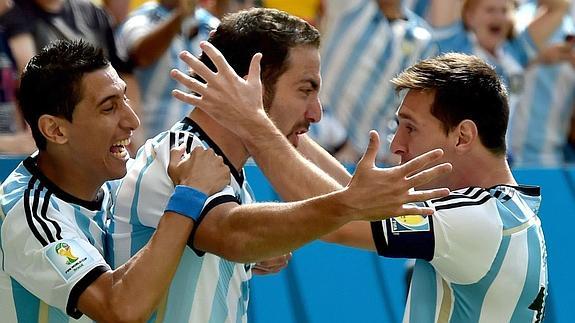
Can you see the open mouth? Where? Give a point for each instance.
(496, 30)
(118, 149)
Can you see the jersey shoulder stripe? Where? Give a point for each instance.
(469, 197)
(38, 221)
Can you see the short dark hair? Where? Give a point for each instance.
(465, 87)
(271, 32)
(51, 81)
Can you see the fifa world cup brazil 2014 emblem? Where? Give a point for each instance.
(64, 250)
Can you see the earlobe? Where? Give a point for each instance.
(466, 135)
(53, 129)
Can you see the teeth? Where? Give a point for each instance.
(121, 154)
(124, 142)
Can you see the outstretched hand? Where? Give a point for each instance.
(380, 193)
(231, 100)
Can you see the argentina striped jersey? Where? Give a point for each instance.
(539, 127)
(52, 247)
(481, 257)
(205, 288)
(361, 54)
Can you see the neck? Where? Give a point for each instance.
(75, 181)
(485, 171)
(230, 144)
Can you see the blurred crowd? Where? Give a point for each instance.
(365, 44)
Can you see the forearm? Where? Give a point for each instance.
(126, 297)
(153, 45)
(545, 23)
(292, 176)
(254, 232)
(326, 162)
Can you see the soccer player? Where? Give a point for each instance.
(55, 205)
(211, 284)
(481, 256)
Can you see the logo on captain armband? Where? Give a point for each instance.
(68, 258)
(409, 223)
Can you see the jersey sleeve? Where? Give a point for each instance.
(46, 252)
(460, 239)
(145, 192)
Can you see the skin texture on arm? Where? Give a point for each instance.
(547, 20)
(131, 292)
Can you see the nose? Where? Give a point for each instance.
(397, 147)
(314, 111)
(130, 119)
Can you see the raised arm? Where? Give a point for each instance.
(549, 17)
(131, 292)
(151, 46)
(257, 231)
(237, 104)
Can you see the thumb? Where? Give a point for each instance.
(255, 68)
(177, 152)
(368, 158)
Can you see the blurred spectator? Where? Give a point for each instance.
(539, 127)
(486, 28)
(152, 37)
(32, 24)
(14, 136)
(367, 45)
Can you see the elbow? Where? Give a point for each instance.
(237, 251)
(124, 312)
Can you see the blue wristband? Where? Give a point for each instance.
(187, 201)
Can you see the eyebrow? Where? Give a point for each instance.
(313, 83)
(110, 97)
(405, 116)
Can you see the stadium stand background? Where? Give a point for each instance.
(328, 283)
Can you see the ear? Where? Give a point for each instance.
(53, 129)
(466, 133)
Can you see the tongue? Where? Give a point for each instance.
(116, 149)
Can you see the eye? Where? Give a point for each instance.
(409, 128)
(108, 108)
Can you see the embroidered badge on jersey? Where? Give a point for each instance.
(67, 257)
(409, 223)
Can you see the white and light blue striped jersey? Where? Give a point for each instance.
(52, 247)
(539, 126)
(362, 53)
(509, 61)
(160, 109)
(205, 288)
(481, 257)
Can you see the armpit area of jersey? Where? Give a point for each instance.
(408, 236)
